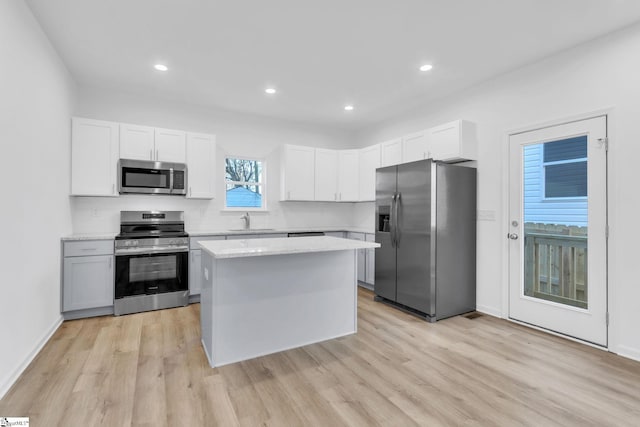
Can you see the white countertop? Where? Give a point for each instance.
(200, 233)
(280, 246)
(196, 233)
(90, 236)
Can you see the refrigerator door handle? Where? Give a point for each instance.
(392, 225)
(397, 218)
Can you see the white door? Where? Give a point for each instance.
(170, 145)
(348, 175)
(557, 229)
(326, 175)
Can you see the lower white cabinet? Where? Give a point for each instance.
(370, 261)
(88, 279)
(195, 263)
(195, 256)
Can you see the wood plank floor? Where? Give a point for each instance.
(149, 369)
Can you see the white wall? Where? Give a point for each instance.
(594, 76)
(36, 102)
(237, 134)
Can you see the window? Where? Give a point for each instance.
(565, 168)
(245, 183)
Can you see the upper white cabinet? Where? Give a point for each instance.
(391, 152)
(201, 166)
(94, 157)
(454, 141)
(148, 143)
(137, 142)
(415, 146)
(171, 145)
(348, 188)
(298, 173)
(369, 162)
(326, 175)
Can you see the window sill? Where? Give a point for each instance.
(240, 210)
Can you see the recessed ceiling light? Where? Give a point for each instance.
(161, 67)
(426, 67)
(348, 107)
(270, 90)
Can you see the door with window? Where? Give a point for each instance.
(558, 228)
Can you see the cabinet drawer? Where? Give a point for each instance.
(88, 248)
(193, 241)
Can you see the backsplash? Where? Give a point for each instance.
(102, 214)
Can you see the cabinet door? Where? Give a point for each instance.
(369, 162)
(453, 141)
(170, 145)
(391, 152)
(415, 147)
(94, 157)
(348, 174)
(361, 255)
(136, 142)
(370, 261)
(201, 166)
(326, 175)
(88, 282)
(298, 170)
(195, 279)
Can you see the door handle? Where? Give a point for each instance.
(512, 236)
(392, 224)
(397, 219)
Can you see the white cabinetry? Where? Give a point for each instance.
(298, 170)
(137, 142)
(361, 255)
(369, 162)
(195, 263)
(326, 175)
(148, 143)
(348, 175)
(201, 166)
(171, 145)
(94, 157)
(391, 152)
(370, 261)
(88, 277)
(453, 141)
(415, 146)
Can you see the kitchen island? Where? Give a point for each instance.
(261, 296)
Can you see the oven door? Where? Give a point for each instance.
(154, 273)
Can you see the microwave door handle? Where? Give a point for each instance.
(170, 180)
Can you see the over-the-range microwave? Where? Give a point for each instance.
(149, 177)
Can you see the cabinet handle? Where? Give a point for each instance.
(150, 154)
(89, 249)
(156, 154)
(335, 196)
(190, 193)
(113, 189)
(288, 195)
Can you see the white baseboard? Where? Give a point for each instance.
(492, 311)
(6, 385)
(628, 352)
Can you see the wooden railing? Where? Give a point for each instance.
(556, 268)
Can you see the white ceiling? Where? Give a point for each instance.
(319, 54)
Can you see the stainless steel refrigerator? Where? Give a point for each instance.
(426, 225)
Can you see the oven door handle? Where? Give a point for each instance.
(151, 250)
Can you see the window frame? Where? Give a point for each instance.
(262, 183)
(543, 174)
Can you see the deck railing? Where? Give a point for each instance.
(556, 268)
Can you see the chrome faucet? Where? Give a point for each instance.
(247, 220)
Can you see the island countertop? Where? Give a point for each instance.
(280, 246)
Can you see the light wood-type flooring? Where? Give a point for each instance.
(149, 369)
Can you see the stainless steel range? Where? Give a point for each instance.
(152, 253)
